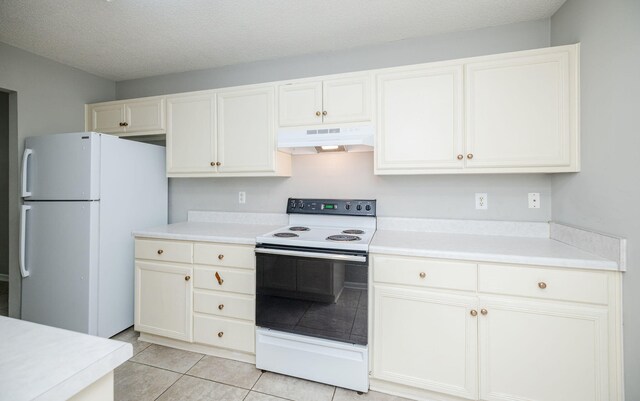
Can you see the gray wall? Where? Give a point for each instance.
(604, 196)
(49, 98)
(351, 175)
(4, 183)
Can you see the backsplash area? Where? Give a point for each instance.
(350, 175)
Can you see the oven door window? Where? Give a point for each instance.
(316, 297)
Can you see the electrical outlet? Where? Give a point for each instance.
(482, 201)
(242, 197)
(534, 200)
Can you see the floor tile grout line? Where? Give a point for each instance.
(272, 395)
(333, 396)
(158, 367)
(167, 389)
(218, 382)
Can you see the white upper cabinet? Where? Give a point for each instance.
(341, 100)
(130, 117)
(521, 110)
(419, 119)
(506, 113)
(191, 128)
(246, 130)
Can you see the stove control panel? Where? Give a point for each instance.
(342, 207)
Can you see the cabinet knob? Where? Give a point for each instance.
(460, 157)
(484, 312)
(218, 163)
(221, 306)
(542, 285)
(470, 156)
(121, 124)
(160, 251)
(125, 124)
(187, 278)
(318, 113)
(220, 334)
(220, 280)
(212, 164)
(474, 312)
(324, 113)
(221, 256)
(423, 274)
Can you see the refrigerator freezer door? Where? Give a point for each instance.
(62, 260)
(62, 167)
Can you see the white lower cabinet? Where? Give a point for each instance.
(426, 340)
(523, 333)
(209, 307)
(163, 299)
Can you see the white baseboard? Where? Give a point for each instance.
(4, 277)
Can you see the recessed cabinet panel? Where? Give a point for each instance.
(107, 118)
(426, 340)
(246, 130)
(300, 104)
(419, 120)
(541, 351)
(145, 116)
(191, 128)
(346, 100)
(520, 111)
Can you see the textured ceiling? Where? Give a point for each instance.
(125, 39)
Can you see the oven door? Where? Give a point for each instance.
(314, 292)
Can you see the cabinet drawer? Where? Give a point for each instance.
(422, 272)
(224, 333)
(225, 305)
(168, 251)
(225, 255)
(231, 280)
(545, 283)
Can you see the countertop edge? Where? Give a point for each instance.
(194, 237)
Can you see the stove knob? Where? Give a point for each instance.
(347, 206)
(359, 207)
(368, 207)
(293, 205)
(301, 206)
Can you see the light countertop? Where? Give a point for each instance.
(233, 233)
(487, 248)
(47, 363)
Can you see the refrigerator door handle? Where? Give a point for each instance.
(25, 159)
(23, 237)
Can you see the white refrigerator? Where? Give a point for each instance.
(84, 193)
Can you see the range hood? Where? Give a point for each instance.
(310, 140)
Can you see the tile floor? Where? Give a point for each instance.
(160, 373)
(4, 298)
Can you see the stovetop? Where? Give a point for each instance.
(327, 224)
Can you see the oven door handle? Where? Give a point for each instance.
(317, 255)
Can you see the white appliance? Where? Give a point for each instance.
(312, 292)
(84, 193)
(310, 140)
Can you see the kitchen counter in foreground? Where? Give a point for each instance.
(39, 362)
(487, 248)
(231, 233)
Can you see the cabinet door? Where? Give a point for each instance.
(145, 116)
(420, 120)
(108, 118)
(246, 130)
(164, 300)
(521, 111)
(542, 351)
(300, 104)
(191, 146)
(425, 339)
(346, 100)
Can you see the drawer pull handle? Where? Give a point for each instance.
(187, 278)
(160, 251)
(474, 312)
(542, 285)
(220, 334)
(484, 312)
(220, 280)
(221, 306)
(220, 257)
(423, 274)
